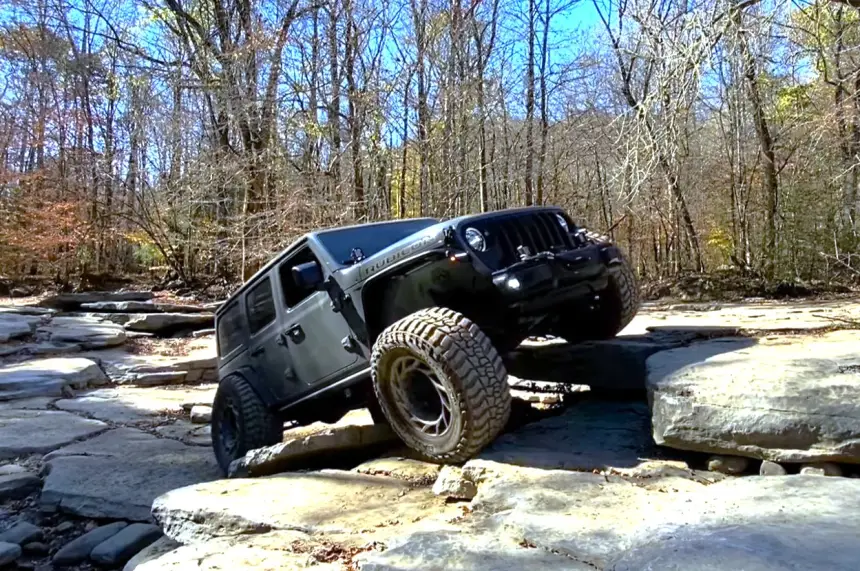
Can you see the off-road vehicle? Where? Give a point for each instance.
(411, 318)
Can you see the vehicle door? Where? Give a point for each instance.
(317, 336)
(267, 349)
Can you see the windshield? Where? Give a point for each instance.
(370, 239)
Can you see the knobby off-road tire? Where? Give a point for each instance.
(437, 353)
(618, 305)
(241, 421)
(620, 298)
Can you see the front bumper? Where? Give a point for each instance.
(547, 277)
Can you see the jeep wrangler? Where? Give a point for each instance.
(411, 318)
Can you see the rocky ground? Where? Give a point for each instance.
(656, 450)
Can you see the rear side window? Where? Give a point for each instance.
(261, 306)
(229, 330)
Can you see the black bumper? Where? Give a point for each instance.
(547, 278)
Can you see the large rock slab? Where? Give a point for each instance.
(14, 326)
(164, 323)
(88, 332)
(25, 432)
(331, 501)
(68, 301)
(137, 405)
(117, 475)
(143, 307)
(590, 435)
(125, 367)
(463, 550)
(293, 451)
(784, 399)
(605, 522)
(48, 377)
(762, 316)
(263, 552)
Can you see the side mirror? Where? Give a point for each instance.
(308, 275)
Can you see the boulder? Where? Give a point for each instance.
(201, 414)
(17, 486)
(25, 432)
(21, 533)
(14, 326)
(79, 549)
(118, 549)
(452, 484)
(117, 475)
(784, 399)
(164, 323)
(68, 301)
(48, 377)
(88, 332)
(769, 468)
(288, 454)
(9, 552)
(331, 501)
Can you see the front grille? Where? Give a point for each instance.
(537, 231)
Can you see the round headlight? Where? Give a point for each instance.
(562, 222)
(475, 239)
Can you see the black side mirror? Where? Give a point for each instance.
(308, 275)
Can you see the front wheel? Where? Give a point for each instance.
(441, 384)
(241, 422)
(615, 309)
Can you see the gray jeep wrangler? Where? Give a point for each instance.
(411, 318)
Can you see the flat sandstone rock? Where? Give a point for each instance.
(590, 521)
(88, 332)
(784, 399)
(117, 474)
(331, 501)
(48, 377)
(25, 432)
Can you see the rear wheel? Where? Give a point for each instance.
(441, 384)
(241, 422)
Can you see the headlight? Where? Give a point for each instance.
(562, 222)
(476, 240)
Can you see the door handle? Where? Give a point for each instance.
(258, 351)
(295, 333)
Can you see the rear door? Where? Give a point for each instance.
(315, 334)
(267, 349)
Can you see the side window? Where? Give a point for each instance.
(260, 306)
(293, 293)
(229, 330)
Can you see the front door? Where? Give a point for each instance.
(314, 333)
(266, 346)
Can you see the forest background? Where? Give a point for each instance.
(187, 141)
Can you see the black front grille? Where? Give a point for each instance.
(537, 231)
